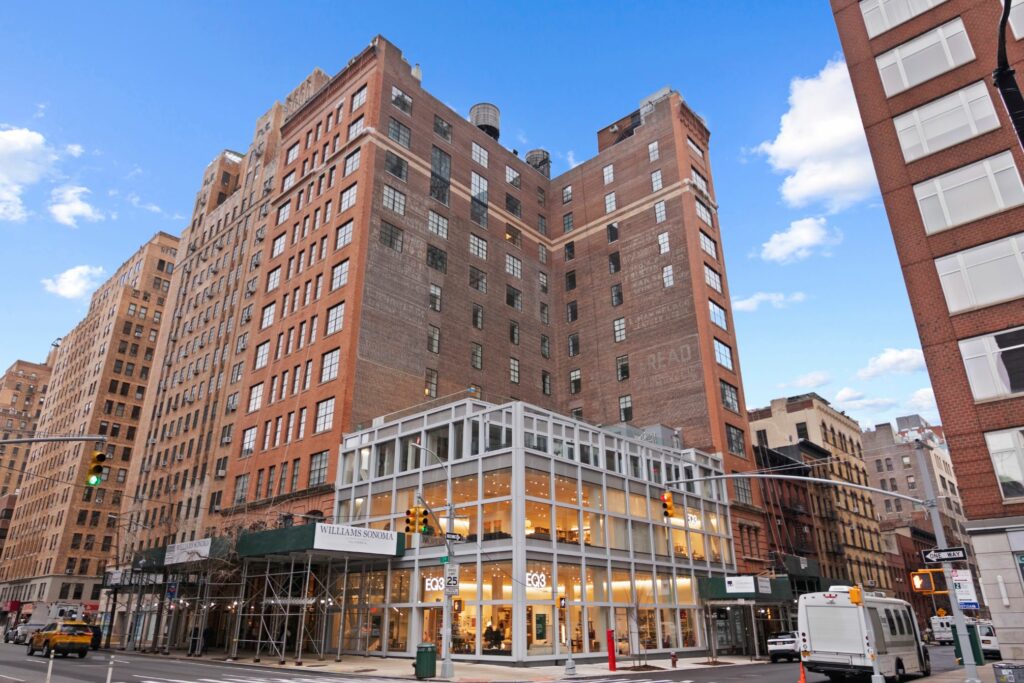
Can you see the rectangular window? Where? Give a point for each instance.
(394, 200)
(571, 312)
(513, 370)
(718, 315)
(437, 224)
(574, 344)
(730, 396)
(335, 318)
(614, 262)
(667, 277)
(440, 175)
(479, 155)
(343, 235)
(567, 222)
(355, 128)
(652, 151)
(703, 212)
(513, 297)
(513, 332)
(318, 468)
(400, 133)
(609, 202)
(659, 212)
(359, 98)
(478, 200)
(695, 148)
(391, 236)
(478, 279)
(348, 198)
(567, 194)
(736, 441)
(434, 300)
(545, 382)
(612, 232)
(512, 177)
(324, 416)
(619, 329)
(993, 363)
(882, 15)
(352, 162)
(663, 243)
(513, 205)
(478, 316)
(616, 295)
(947, 121)
(437, 259)
(476, 356)
(723, 354)
(430, 383)
(478, 246)
(709, 246)
(542, 280)
(255, 397)
(293, 153)
(329, 365)
(570, 281)
(442, 128)
(545, 346)
(609, 174)
(983, 275)
(277, 248)
(339, 274)
(575, 381)
(625, 408)
(544, 313)
(283, 212)
(401, 100)
(924, 57)
(712, 278)
(1006, 448)
(262, 355)
(267, 318)
(513, 266)
(969, 193)
(622, 368)
(542, 225)
(514, 236)
(656, 181)
(699, 180)
(274, 279)
(248, 441)
(433, 339)
(396, 166)
(288, 181)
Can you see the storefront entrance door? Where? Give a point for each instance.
(433, 622)
(626, 637)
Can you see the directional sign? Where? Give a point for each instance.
(454, 537)
(963, 586)
(939, 555)
(444, 559)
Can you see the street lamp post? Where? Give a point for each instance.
(447, 665)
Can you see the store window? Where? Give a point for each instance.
(621, 584)
(496, 520)
(567, 524)
(537, 484)
(538, 521)
(593, 529)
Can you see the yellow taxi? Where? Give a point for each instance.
(61, 637)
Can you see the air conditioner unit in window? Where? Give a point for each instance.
(226, 439)
(152, 442)
(222, 473)
(260, 234)
(216, 508)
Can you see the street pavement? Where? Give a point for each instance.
(16, 667)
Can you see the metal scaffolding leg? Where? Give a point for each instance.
(303, 612)
(239, 611)
(341, 613)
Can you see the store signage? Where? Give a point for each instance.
(355, 539)
(764, 585)
(191, 551)
(739, 584)
(963, 586)
(433, 583)
(451, 579)
(536, 580)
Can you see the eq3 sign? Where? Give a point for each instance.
(536, 580)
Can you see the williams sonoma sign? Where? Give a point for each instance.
(354, 539)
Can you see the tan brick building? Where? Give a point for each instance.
(851, 544)
(395, 252)
(948, 165)
(63, 533)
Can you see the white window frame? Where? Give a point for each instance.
(652, 151)
(656, 183)
(983, 363)
(478, 247)
(718, 315)
(1006, 450)
(881, 15)
(897, 57)
(479, 155)
(938, 189)
(668, 278)
(972, 109)
(513, 266)
(963, 274)
(437, 224)
(609, 174)
(723, 354)
(609, 202)
(663, 245)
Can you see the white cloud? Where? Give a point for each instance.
(25, 158)
(811, 380)
(75, 150)
(75, 282)
(40, 110)
(922, 400)
(67, 205)
(135, 201)
(775, 299)
(851, 399)
(821, 145)
(893, 362)
(570, 157)
(800, 240)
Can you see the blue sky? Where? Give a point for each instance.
(111, 111)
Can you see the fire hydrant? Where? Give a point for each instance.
(675, 660)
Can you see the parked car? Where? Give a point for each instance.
(23, 631)
(63, 638)
(989, 641)
(9, 633)
(783, 646)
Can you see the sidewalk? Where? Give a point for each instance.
(985, 673)
(465, 672)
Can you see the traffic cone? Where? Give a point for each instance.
(803, 674)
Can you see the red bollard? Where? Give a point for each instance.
(675, 660)
(611, 649)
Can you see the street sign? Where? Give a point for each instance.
(444, 559)
(939, 555)
(451, 579)
(457, 538)
(963, 587)
(172, 590)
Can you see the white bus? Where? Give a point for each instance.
(838, 627)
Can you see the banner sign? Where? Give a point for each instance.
(191, 551)
(354, 539)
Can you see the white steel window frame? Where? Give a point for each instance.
(882, 15)
(986, 373)
(968, 112)
(999, 263)
(933, 195)
(897, 57)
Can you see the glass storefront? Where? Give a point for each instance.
(586, 525)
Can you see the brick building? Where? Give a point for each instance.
(947, 161)
(63, 533)
(851, 540)
(396, 253)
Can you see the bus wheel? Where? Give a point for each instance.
(927, 669)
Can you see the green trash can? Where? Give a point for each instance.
(972, 635)
(426, 661)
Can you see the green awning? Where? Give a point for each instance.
(713, 588)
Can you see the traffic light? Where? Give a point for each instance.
(94, 475)
(668, 508)
(922, 582)
(425, 528)
(856, 595)
(411, 518)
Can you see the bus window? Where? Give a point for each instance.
(891, 621)
(908, 620)
(879, 632)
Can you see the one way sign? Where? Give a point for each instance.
(939, 555)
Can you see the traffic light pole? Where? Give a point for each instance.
(932, 503)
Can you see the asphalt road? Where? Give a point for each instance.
(16, 667)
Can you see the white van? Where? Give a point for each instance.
(837, 628)
(942, 630)
(989, 641)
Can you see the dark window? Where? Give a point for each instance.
(613, 232)
(440, 175)
(443, 128)
(622, 368)
(390, 236)
(437, 258)
(730, 396)
(396, 166)
(545, 346)
(736, 440)
(513, 332)
(513, 297)
(399, 133)
(575, 381)
(570, 251)
(513, 205)
(478, 279)
(478, 316)
(801, 430)
(574, 344)
(570, 281)
(571, 311)
(513, 236)
(616, 295)
(567, 222)
(614, 263)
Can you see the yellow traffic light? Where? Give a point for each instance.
(668, 508)
(94, 475)
(922, 582)
(411, 517)
(856, 595)
(425, 528)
